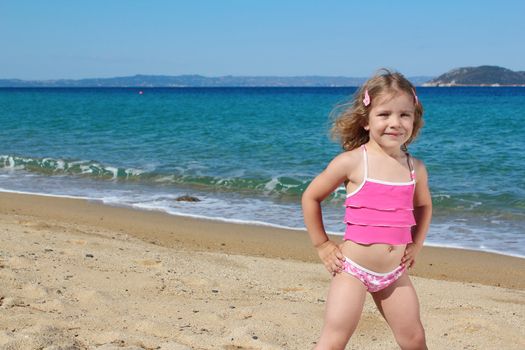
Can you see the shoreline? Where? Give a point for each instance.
(207, 235)
(237, 221)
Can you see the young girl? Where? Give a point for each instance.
(388, 212)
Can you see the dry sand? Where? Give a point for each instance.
(80, 275)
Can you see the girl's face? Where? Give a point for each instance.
(391, 119)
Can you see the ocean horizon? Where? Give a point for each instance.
(248, 154)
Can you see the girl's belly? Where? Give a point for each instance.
(377, 257)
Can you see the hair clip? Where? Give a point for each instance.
(415, 96)
(366, 100)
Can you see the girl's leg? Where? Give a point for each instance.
(344, 305)
(399, 305)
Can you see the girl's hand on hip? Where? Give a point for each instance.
(409, 259)
(331, 256)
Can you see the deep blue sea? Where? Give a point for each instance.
(248, 154)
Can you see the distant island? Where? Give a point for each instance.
(466, 76)
(145, 81)
(479, 76)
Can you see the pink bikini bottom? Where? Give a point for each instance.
(373, 281)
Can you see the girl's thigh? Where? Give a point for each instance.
(399, 305)
(344, 304)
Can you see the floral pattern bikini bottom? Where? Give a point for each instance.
(373, 281)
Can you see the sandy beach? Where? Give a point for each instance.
(76, 274)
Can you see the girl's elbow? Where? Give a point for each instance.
(428, 209)
(304, 198)
(424, 207)
(307, 198)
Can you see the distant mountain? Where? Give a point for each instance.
(479, 76)
(197, 81)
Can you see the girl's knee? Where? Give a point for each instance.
(331, 343)
(334, 337)
(413, 339)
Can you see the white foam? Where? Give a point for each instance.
(133, 172)
(271, 185)
(169, 178)
(76, 162)
(485, 250)
(60, 165)
(112, 170)
(10, 162)
(86, 169)
(49, 195)
(216, 218)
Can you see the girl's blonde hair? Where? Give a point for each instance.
(350, 118)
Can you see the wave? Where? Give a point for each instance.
(278, 186)
(50, 166)
(502, 205)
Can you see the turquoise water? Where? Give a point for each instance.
(248, 153)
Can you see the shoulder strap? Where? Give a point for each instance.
(411, 167)
(365, 162)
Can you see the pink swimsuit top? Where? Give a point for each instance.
(379, 211)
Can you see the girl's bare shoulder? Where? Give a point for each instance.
(419, 167)
(348, 159)
(418, 163)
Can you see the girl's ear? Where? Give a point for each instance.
(366, 127)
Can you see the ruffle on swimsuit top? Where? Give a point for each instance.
(381, 204)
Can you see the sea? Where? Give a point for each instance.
(247, 154)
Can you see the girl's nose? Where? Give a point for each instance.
(395, 121)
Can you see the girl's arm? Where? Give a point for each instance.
(320, 188)
(422, 214)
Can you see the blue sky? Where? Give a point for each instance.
(93, 38)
